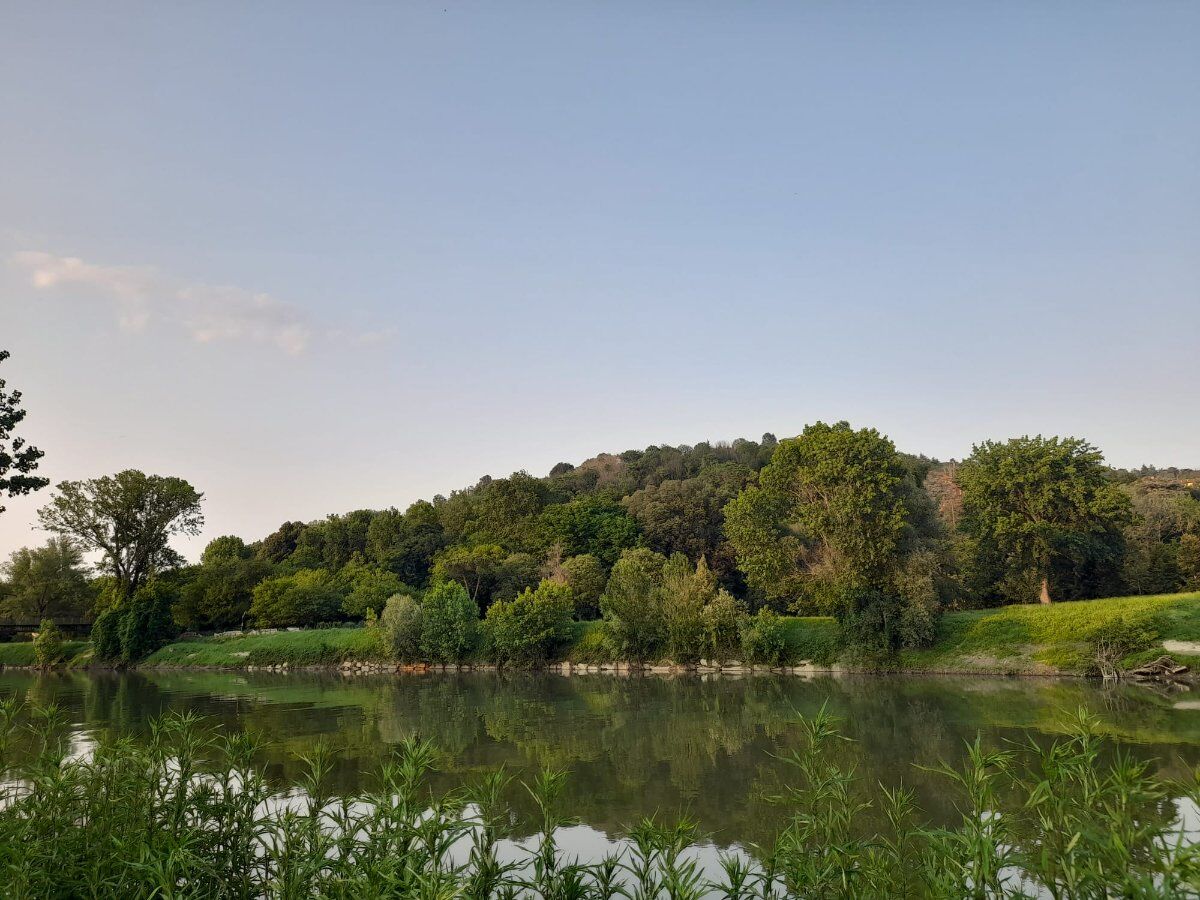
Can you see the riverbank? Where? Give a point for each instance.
(1010, 640)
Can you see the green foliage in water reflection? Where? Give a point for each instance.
(189, 812)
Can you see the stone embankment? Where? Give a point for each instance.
(704, 667)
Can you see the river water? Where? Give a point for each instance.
(708, 748)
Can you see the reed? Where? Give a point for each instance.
(188, 813)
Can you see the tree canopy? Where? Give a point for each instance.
(18, 459)
(129, 518)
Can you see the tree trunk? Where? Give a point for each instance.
(1044, 597)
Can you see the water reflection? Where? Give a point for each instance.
(635, 747)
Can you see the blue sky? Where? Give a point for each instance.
(315, 257)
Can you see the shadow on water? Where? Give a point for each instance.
(633, 746)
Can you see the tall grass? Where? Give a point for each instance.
(188, 813)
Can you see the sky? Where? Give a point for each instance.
(315, 257)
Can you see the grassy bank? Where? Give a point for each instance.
(21, 654)
(1027, 640)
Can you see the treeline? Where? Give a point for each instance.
(681, 551)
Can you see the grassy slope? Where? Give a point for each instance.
(21, 654)
(1038, 639)
(322, 646)
(1012, 639)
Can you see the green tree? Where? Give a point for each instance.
(477, 569)
(226, 547)
(17, 458)
(403, 623)
(305, 597)
(147, 621)
(48, 645)
(1033, 502)
(686, 591)
(632, 604)
(45, 582)
(281, 543)
(218, 593)
(826, 518)
(531, 628)
(594, 524)
(586, 578)
(450, 623)
(129, 518)
(368, 588)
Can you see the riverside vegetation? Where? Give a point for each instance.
(188, 813)
(831, 546)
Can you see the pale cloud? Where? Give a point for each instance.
(142, 294)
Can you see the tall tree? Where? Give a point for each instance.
(17, 459)
(827, 516)
(45, 582)
(129, 517)
(1033, 502)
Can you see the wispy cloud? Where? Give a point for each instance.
(142, 295)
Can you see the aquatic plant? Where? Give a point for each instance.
(186, 812)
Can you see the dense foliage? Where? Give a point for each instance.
(18, 459)
(672, 548)
(189, 813)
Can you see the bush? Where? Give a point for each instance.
(106, 633)
(594, 644)
(305, 597)
(369, 589)
(586, 578)
(450, 624)
(147, 621)
(686, 592)
(1116, 639)
(401, 623)
(48, 645)
(632, 605)
(533, 627)
(764, 638)
(722, 626)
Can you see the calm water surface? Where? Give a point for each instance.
(634, 747)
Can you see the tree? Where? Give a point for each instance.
(219, 592)
(586, 578)
(477, 569)
(45, 583)
(533, 627)
(17, 459)
(594, 524)
(281, 543)
(449, 623)
(632, 604)
(129, 517)
(826, 518)
(1034, 502)
(402, 624)
(226, 547)
(687, 591)
(369, 588)
(306, 597)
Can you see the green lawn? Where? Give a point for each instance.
(1027, 639)
(21, 653)
(1046, 639)
(316, 647)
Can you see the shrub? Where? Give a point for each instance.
(1116, 639)
(585, 576)
(305, 597)
(632, 605)
(450, 624)
(686, 591)
(533, 627)
(48, 645)
(147, 621)
(764, 638)
(401, 623)
(106, 633)
(722, 626)
(594, 645)
(369, 589)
